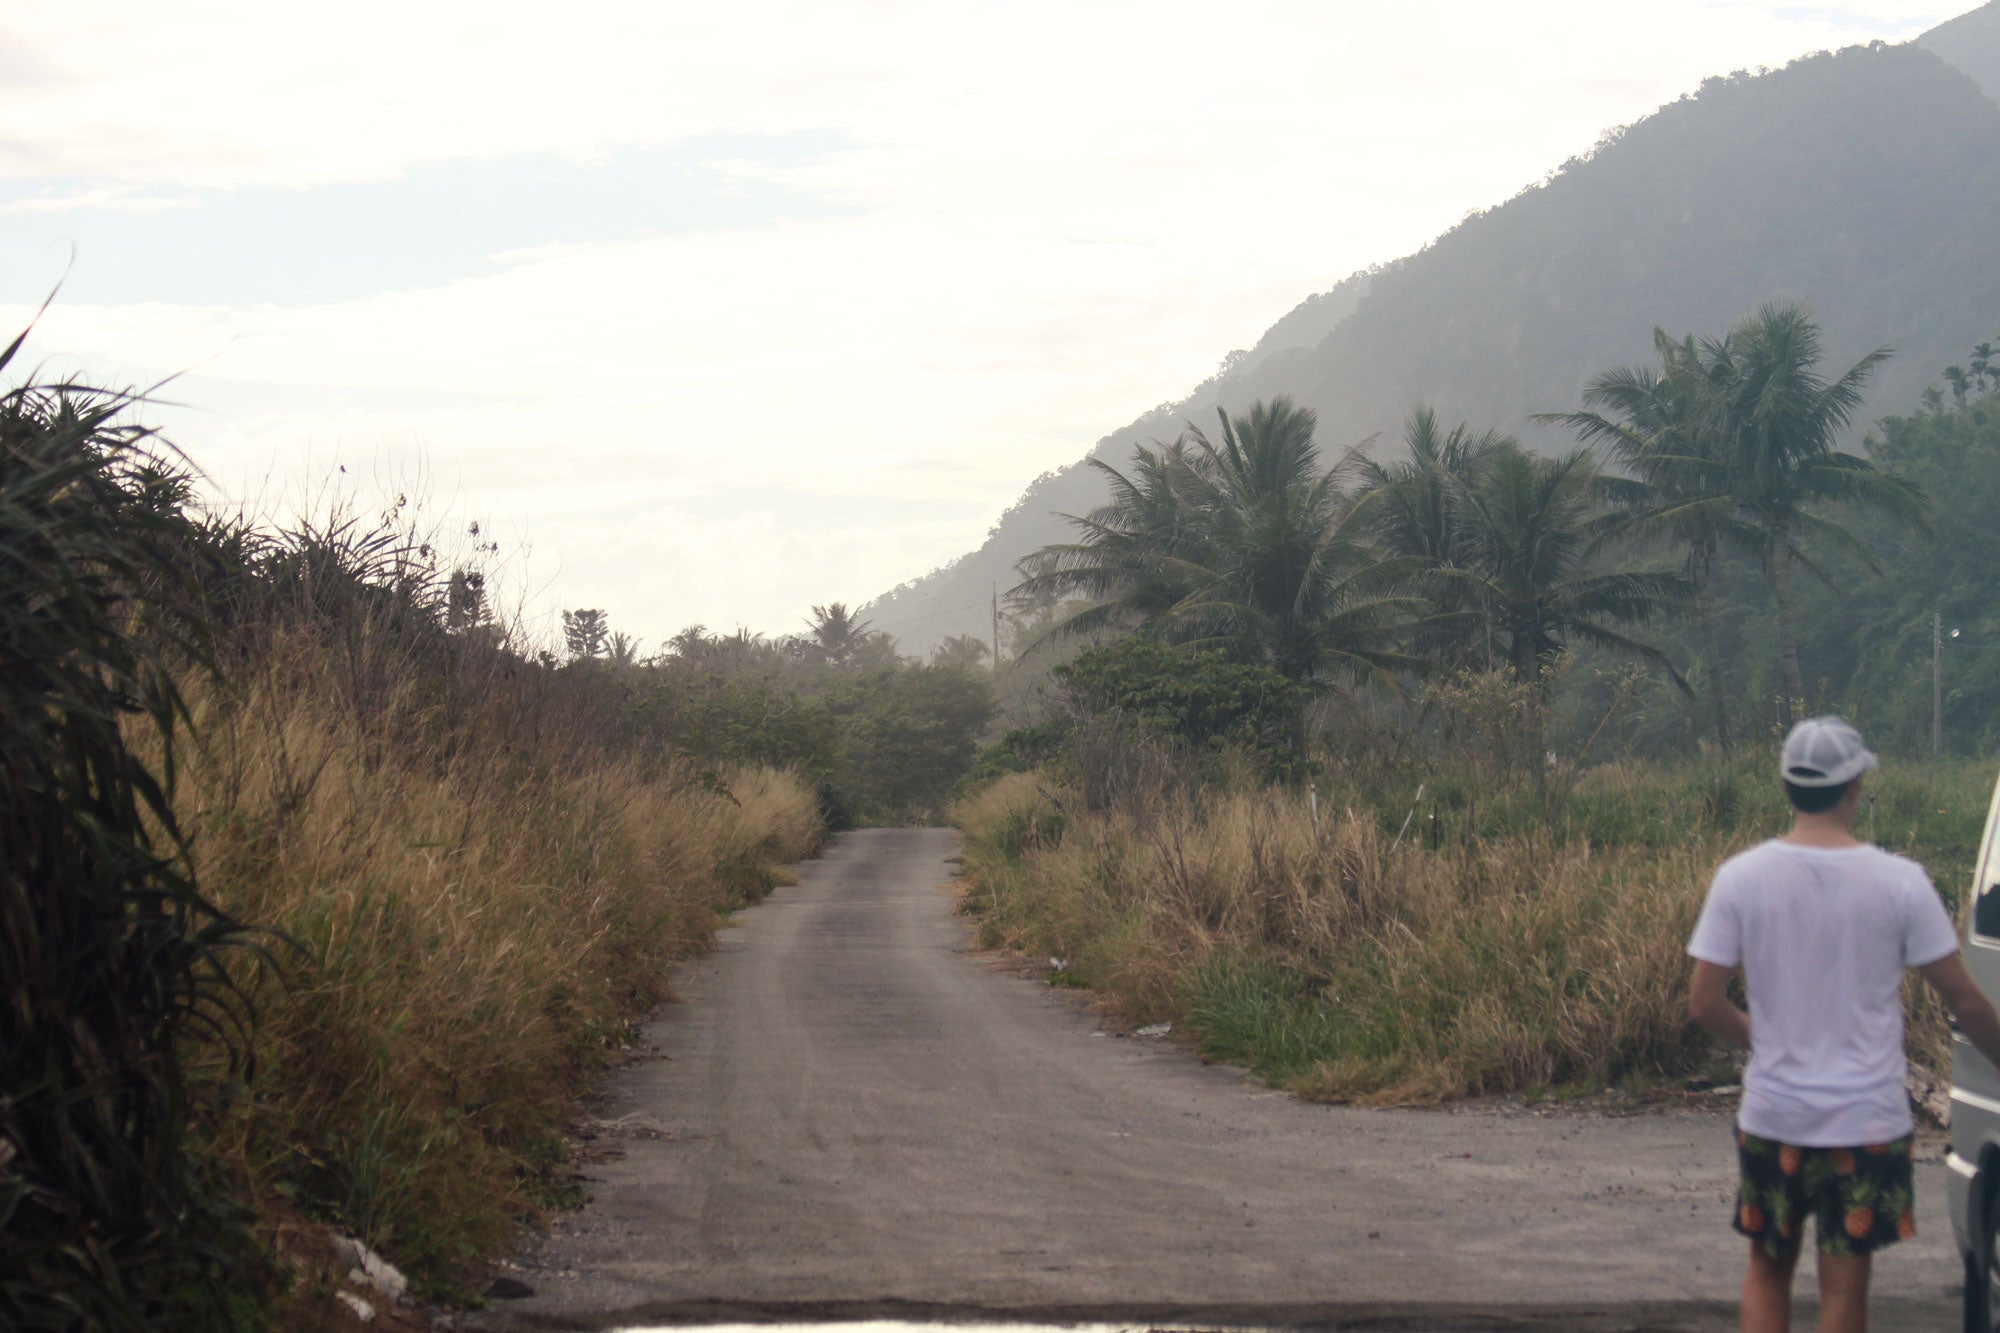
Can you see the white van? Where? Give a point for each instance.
(1974, 1159)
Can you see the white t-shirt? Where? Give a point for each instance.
(1824, 936)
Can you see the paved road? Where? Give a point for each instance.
(856, 1118)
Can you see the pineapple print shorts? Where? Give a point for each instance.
(1860, 1198)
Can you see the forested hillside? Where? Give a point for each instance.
(1971, 42)
(1866, 183)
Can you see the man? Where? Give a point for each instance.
(1824, 927)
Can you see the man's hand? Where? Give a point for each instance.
(1709, 1004)
(1961, 994)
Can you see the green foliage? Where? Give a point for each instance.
(1866, 181)
(1196, 695)
(908, 735)
(1421, 508)
(1134, 709)
(586, 633)
(882, 739)
(1246, 543)
(1781, 418)
(961, 650)
(110, 957)
(1665, 431)
(1533, 523)
(1435, 935)
(1247, 551)
(1253, 1012)
(725, 718)
(1863, 612)
(1871, 634)
(1020, 750)
(846, 642)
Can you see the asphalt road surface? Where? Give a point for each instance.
(857, 1116)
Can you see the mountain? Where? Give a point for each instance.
(1866, 182)
(1971, 44)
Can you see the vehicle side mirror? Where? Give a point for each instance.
(1986, 913)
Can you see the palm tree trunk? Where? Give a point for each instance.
(1788, 639)
(1525, 657)
(1705, 613)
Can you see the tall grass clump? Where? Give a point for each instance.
(1371, 956)
(482, 867)
(321, 891)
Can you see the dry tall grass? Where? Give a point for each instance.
(482, 898)
(1345, 966)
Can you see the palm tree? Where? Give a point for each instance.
(1284, 562)
(1245, 542)
(1536, 522)
(1781, 418)
(839, 633)
(1417, 509)
(966, 651)
(691, 643)
(1128, 561)
(1664, 427)
(623, 650)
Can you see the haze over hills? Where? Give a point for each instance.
(1971, 43)
(1866, 182)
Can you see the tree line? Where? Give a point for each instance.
(1470, 553)
(883, 738)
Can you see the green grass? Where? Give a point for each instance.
(1250, 1011)
(1527, 940)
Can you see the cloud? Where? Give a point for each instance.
(435, 223)
(935, 249)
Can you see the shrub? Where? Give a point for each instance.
(1197, 695)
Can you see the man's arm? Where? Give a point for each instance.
(1961, 994)
(1709, 1004)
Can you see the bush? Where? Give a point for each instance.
(1138, 716)
(1199, 696)
(908, 735)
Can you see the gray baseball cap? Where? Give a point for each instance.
(1825, 752)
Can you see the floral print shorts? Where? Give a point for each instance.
(1862, 1198)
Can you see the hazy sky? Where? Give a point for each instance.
(711, 312)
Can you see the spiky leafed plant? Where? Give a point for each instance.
(1666, 429)
(1782, 419)
(109, 955)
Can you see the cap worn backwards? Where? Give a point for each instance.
(1824, 752)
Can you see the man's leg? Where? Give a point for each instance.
(1843, 1292)
(1767, 1291)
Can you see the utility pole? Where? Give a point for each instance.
(996, 630)
(1937, 683)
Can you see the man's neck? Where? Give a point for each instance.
(1828, 830)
